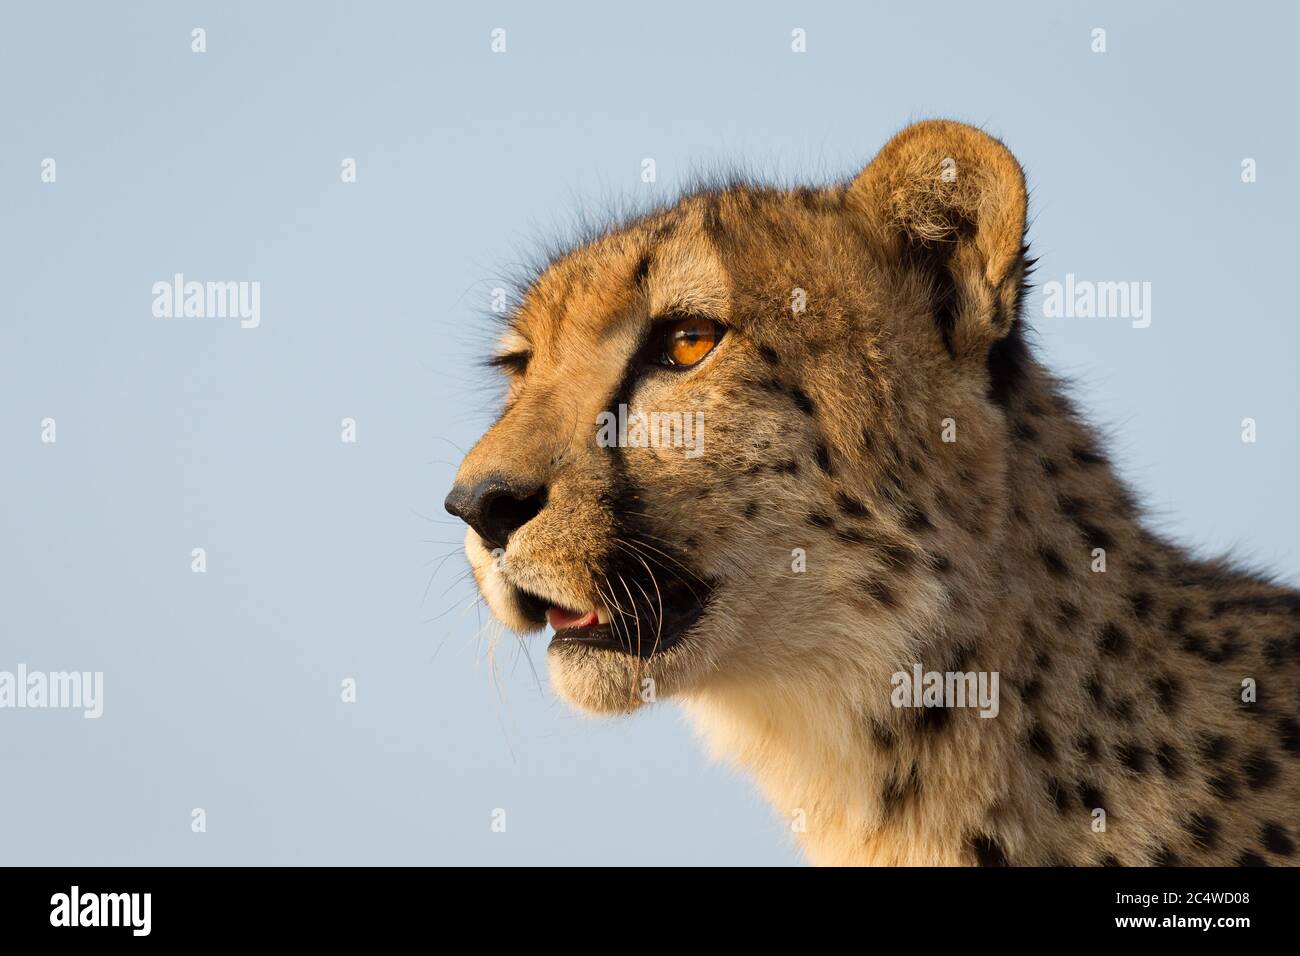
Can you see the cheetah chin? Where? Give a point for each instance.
(785, 458)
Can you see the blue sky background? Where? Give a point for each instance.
(222, 689)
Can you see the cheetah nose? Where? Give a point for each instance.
(496, 507)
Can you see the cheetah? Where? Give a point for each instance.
(888, 482)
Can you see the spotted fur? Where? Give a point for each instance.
(1121, 691)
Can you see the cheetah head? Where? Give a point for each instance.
(723, 438)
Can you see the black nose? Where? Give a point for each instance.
(496, 507)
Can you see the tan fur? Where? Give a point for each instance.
(1119, 690)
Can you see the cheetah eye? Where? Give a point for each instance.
(514, 363)
(684, 342)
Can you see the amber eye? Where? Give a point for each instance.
(687, 341)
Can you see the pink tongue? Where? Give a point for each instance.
(559, 618)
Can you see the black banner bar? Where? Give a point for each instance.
(334, 905)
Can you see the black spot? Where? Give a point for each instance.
(890, 486)
(1108, 860)
(1087, 456)
(1194, 644)
(987, 851)
(883, 595)
(1133, 756)
(851, 536)
(1166, 857)
(1024, 432)
(712, 215)
(934, 720)
(801, 399)
(1032, 689)
(1096, 536)
(642, 269)
(850, 506)
(1223, 785)
(1178, 619)
(1113, 640)
(1276, 651)
(899, 556)
(1095, 690)
(664, 231)
(1204, 830)
(884, 735)
(751, 509)
(1090, 796)
(1226, 652)
(940, 563)
(1261, 770)
(1251, 859)
(1141, 603)
(1067, 613)
(808, 198)
(1276, 840)
(819, 519)
(916, 520)
(1121, 708)
(769, 355)
(1007, 364)
(1050, 468)
(1170, 760)
(1041, 743)
(1052, 559)
(1289, 731)
(899, 791)
(1087, 745)
(824, 459)
(1168, 691)
(1071, 507)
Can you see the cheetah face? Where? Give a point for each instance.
(600, 502)
(702, 408)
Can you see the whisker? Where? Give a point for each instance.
(635, 617)
(659, 615)
(630, 548)
(434, 520)
(685, 567)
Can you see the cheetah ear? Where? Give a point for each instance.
(949, 200)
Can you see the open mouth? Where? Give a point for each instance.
(640, 628)
(621, 633)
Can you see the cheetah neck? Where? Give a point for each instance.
(1060, 591)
